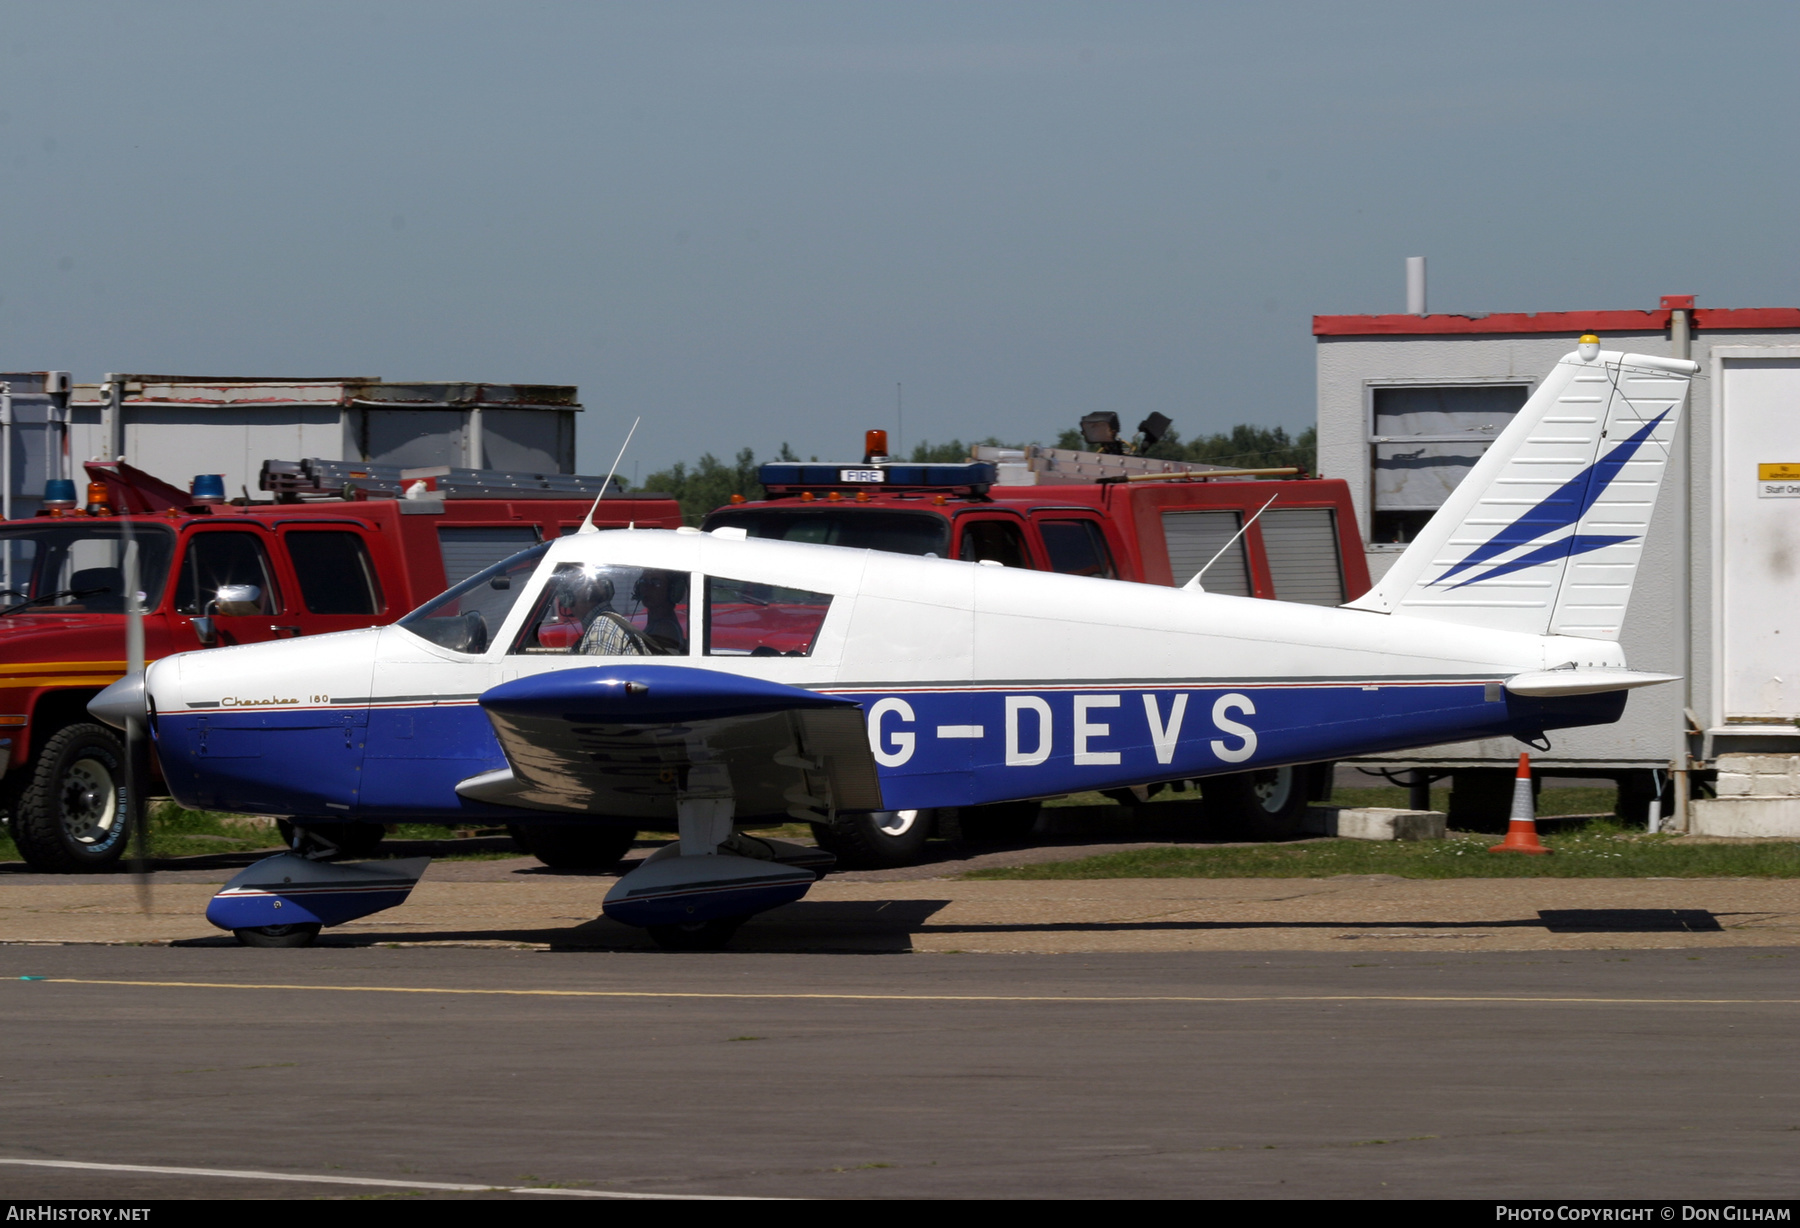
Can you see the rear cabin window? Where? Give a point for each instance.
(745, 618)
(598, 610)
(335, 574)
(219, 557)
(474, 548)
(999, 541)
(1301, 546)
(1196, 538)
(1077, 548)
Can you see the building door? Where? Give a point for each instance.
(1756, 501)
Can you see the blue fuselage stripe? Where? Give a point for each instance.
(950, 746)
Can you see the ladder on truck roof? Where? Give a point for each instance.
(315, 479)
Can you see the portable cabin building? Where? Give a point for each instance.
(176, 426)
(1406, 405)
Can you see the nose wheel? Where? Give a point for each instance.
(698, 936)
(278, 935)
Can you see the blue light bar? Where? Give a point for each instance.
(889, 475)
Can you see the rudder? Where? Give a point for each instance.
(1546, 533)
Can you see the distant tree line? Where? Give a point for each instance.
(1242, 447)
(710, 482)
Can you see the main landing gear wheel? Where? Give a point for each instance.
(696, 936)
(572, 847)
(350, 839)
(1264, 804)
(298, 935)
(1002, 823)
(876, 841)
(68, 815)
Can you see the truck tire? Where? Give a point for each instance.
(572, 847)
(1264, 804)
(68, 818)
(878, 841)
(1000, 823)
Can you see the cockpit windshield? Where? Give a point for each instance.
(465, 618)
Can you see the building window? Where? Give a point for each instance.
(1423, 441)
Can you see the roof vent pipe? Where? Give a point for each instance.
(1415, 285)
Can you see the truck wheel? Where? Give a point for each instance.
(351, 839)
(571, 847)
(877, 841)
(68, 817)
(1265, 804)
(1001, 823)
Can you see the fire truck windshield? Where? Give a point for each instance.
(78, 565)
(858, 528)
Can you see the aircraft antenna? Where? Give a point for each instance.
(1195, 582)
(587, 525)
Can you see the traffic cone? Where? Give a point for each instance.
(1521, 828)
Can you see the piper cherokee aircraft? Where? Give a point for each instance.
(705, 681)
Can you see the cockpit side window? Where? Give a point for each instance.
(745, 618)
(601, 610)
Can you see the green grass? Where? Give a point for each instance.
(1599, 849)
(1551, 802)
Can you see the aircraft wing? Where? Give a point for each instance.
(624, 740)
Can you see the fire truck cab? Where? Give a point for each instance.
(339, 546)
(1111, 516)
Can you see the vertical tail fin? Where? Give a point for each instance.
(1546, 532)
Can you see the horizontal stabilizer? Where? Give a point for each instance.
(1540, 683)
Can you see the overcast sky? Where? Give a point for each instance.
(748, 221)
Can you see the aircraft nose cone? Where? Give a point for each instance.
(121, 702)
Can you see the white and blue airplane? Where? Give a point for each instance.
(705, 682)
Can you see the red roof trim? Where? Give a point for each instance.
(1500, 322)
(1574, 322)
(1747, 317)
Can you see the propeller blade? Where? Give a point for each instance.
(137, 733)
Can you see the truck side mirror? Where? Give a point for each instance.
(238, 599)
(203, 627)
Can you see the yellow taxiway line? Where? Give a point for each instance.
(771, 996)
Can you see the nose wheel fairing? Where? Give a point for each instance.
(288, 889)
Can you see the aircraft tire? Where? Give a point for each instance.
(570, 847)
(1001, 823)
(711, 935)
(351, 839)
(878, 841)
(67, 816)
(300, 935)
(1264, 804)
(1136, 795)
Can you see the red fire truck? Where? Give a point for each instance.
(338, 546)
(1252, 533)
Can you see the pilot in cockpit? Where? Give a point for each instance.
(577, 615)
